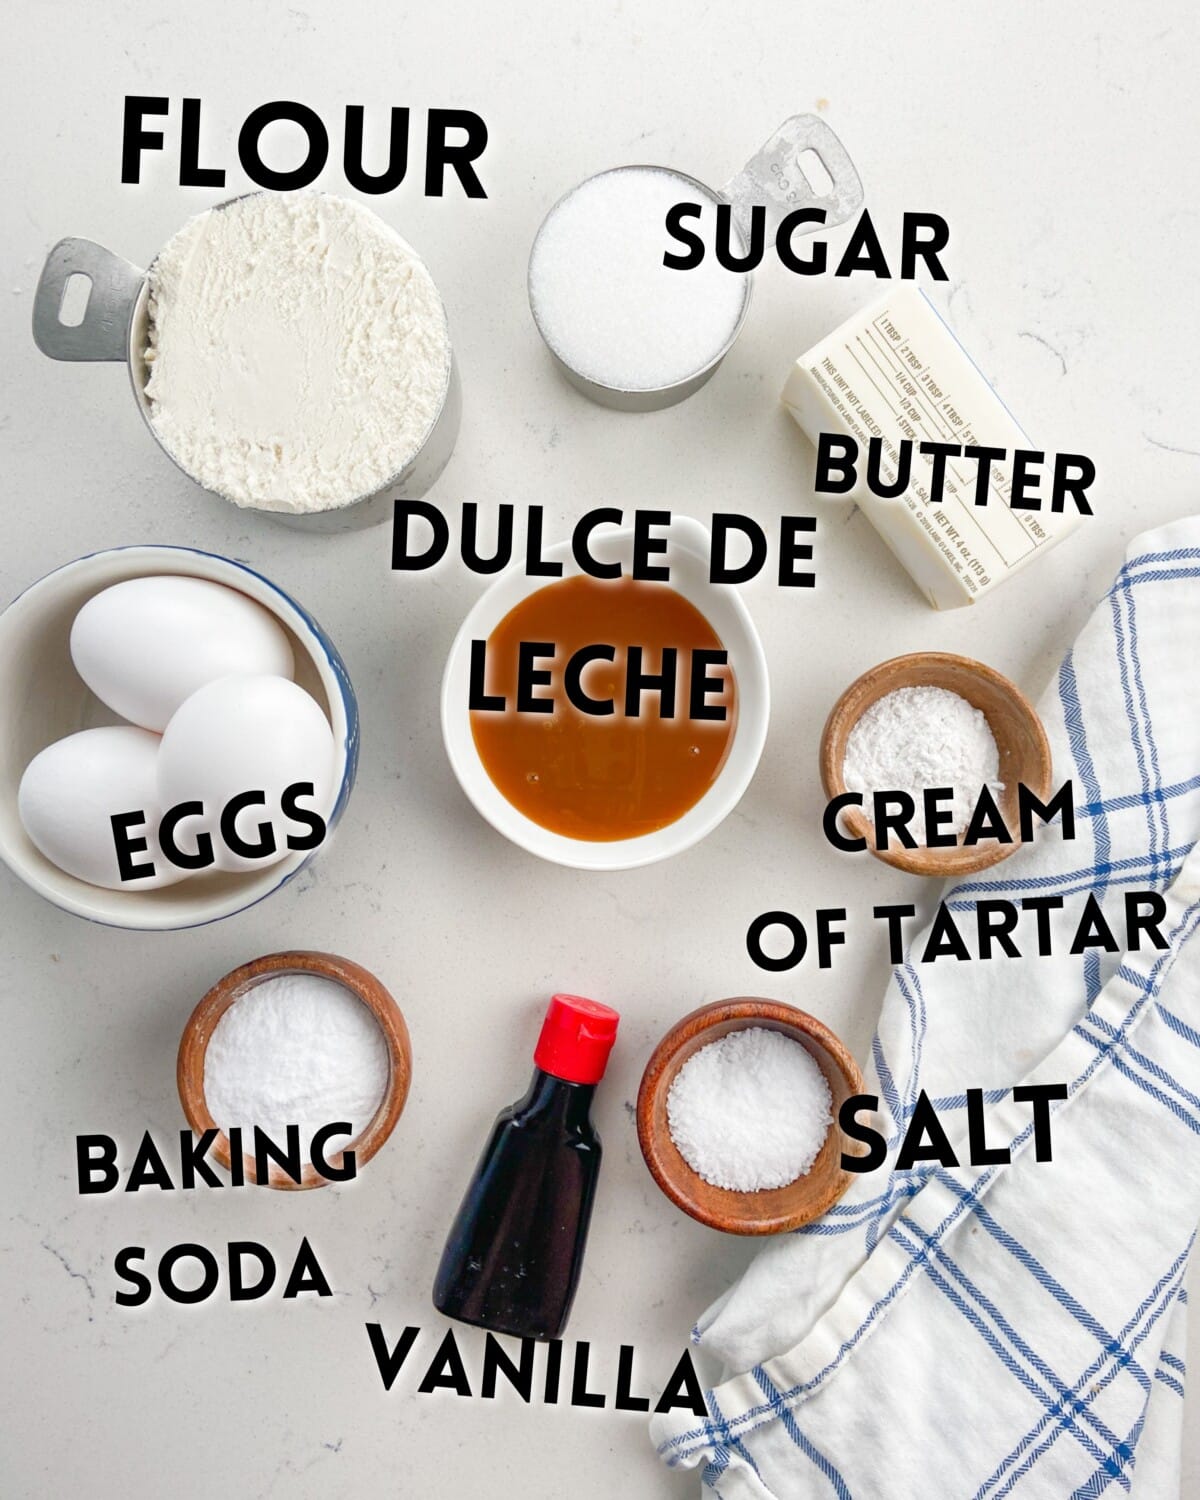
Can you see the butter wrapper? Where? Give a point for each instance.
(896, 371)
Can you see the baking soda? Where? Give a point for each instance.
(603, 299)
(297, 1049)
(298, 351)
(921, 737)
(750, 1111)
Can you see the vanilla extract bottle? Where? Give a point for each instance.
(515, 1250)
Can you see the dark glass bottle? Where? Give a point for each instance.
(515, 1250)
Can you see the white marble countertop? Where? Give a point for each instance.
(1057, 142)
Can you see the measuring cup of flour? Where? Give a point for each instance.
(260, 361)
(635, 334)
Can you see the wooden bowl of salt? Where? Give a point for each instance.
(1021, 745)
(774, 1210)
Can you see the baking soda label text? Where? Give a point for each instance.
(98, 1166)
(188, 1273)
(191, 1273)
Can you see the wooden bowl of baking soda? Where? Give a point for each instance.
(295, 1039)
(928, 721)
(737, 1116)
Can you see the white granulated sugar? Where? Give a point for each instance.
(298, 351)
(296, 1049)
(603, 299)
(921, 737)
(750, 1111)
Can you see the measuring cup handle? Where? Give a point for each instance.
(103, 332)
(774, 177)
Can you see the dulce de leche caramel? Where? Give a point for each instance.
(604, 749)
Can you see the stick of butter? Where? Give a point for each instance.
(895, 371)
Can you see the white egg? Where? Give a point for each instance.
(146, 645)
(71, 790)
(248, 734)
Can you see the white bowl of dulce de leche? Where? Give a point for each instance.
(587, 737)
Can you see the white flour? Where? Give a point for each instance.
(298, 351)
(921, 737)
(750, 1110)
(295, 1050)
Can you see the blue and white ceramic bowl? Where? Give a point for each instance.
(42, 698)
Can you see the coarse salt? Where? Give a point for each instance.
(603, 299)
(296, 1049)
(298, 351)
(750, 1111)
(917, 738)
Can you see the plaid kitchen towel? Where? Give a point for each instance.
(943, 1334)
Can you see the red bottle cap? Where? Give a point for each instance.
(577, 1036)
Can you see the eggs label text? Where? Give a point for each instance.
(202, 855)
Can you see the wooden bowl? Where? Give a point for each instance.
(1016, 728)
(193, 1047)
(772, 1210)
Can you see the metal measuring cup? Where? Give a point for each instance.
(773, 178)
(115, 327)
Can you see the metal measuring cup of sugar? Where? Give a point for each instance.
(775, 179)
(115, 327)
